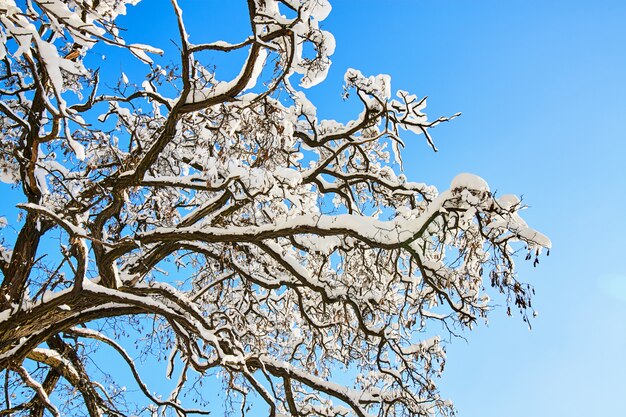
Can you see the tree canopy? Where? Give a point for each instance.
(223, 229)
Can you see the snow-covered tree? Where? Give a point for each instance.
(221, 229)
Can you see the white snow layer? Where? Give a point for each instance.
(469, 181)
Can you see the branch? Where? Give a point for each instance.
(92, 334)
(39, 390)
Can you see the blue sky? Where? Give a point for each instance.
(542, 89)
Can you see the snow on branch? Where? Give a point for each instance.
(222, 229)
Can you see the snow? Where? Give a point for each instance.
(3, 40)
(378, 86)
(469, 181)
(424, 346)
(306, 107)
(9, 172)
(259, 64)
(78, 148)
(223, 87)
(320, 9)
(291, 176)
(54, 357)
(147, 86)
(140, 49)
(221, 44)
(74, 229)
(509, 201)
(531, 235)
(51, 60)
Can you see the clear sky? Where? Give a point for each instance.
(542, 88)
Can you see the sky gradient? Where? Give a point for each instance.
(542, 90)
